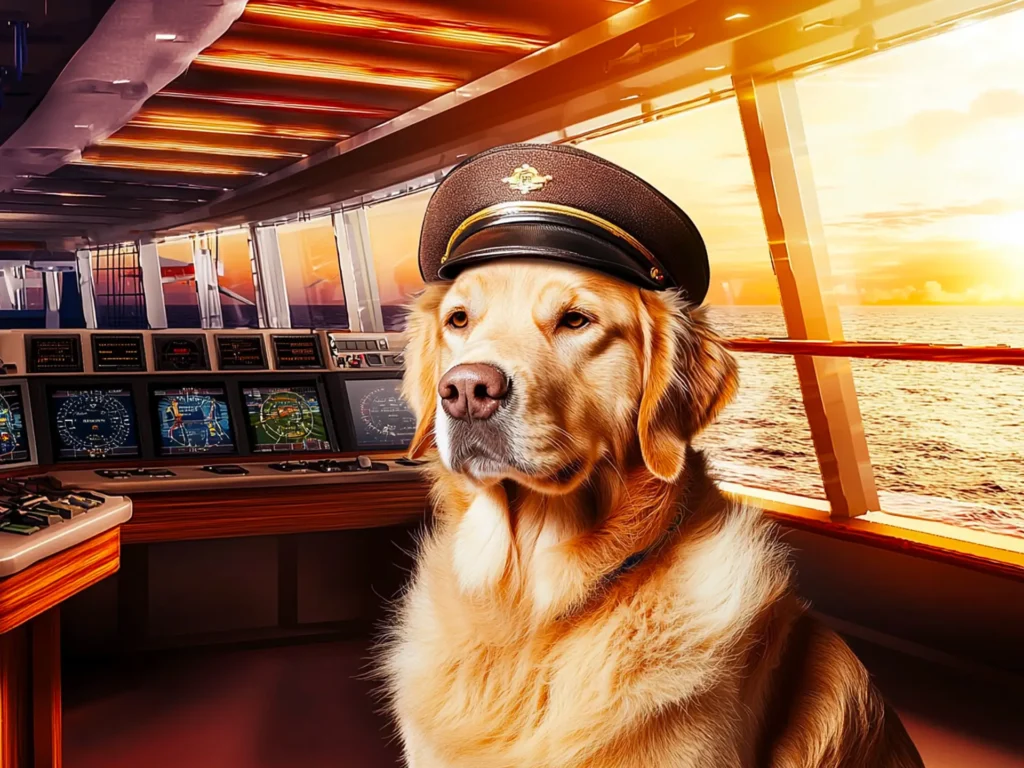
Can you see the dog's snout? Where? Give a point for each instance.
(472, 391)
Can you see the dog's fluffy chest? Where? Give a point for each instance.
(474, 684)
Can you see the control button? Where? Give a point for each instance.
(389, 360)
(364, 462)
(399, 359)
(351, 345)
(225, 469)
(372, 359)
(382, 343)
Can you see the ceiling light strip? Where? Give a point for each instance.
(198, 123)
(395, 26)
(324, 69)
(170, 145)
(286, 103)
(166, 166)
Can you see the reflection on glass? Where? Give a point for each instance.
(178, 275)
(394, 227)
(924, 223)
(234, 277)
(312, 274)
(698, 159)
(921, 206)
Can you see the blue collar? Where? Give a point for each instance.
(637, 558)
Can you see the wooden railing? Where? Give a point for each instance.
(881, 350)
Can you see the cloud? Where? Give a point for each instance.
(910, 216)
(931, 128)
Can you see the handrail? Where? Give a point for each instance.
(882, 350)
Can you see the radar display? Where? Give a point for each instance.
(181, 353)
(286, 418)
(193, 420)
(13, 433)
(380, 417)
(94, 423)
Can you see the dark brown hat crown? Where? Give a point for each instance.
(557, 202)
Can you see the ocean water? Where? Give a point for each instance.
(946, 440)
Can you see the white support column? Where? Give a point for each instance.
(206, 284)
(357, 270)
(51, 296)
(86, 287)
(273, 293)
(152, 285)
(254, 269)
(7, 287)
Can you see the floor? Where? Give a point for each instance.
(310, 706)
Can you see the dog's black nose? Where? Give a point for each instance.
(472, 391)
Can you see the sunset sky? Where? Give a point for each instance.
(918, 159)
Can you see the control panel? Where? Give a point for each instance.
(113, 399)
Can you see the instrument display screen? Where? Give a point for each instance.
(192, 420)
(293, 352)
(55, 354)
(181, 353)
(94, 423)
(117, 352)
(13, 429)
(380, 416)
(285, 418)
(239, 353)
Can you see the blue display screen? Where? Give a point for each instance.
(13, 431)
(193, 420)
(96, 423)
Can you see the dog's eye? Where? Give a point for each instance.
(458, 319)
(574, 320)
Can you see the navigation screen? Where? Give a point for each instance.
(380, 416)
(297, 352)
(94, 423)
(181, 353)
(13, 432)
(55, 354)
(193, 420)
(238, 353)
(118, 352)
(286, 418)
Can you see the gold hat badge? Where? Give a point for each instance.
(526, 179)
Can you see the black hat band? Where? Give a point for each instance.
(541, 212)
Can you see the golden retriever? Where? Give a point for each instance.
(562, 404)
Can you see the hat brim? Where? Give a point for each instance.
(550, 242)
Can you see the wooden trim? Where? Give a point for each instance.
(186, 516)
(773, 129)
(880, 350)
(47, 725)
(812, 515)
(40, 587)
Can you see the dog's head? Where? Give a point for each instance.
(536, 372)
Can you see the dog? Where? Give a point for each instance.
(587, 597)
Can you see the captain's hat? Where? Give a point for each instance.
(556, 202)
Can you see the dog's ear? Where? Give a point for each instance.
(688, 377)
(422, 366)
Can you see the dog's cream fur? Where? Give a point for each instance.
(518, 643)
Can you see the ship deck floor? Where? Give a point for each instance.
(310, 706)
